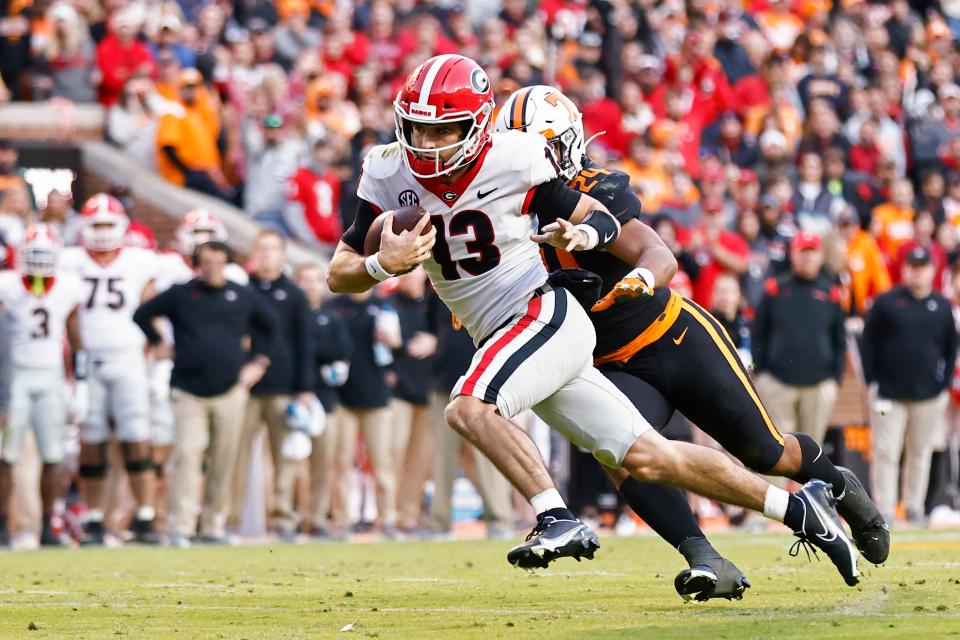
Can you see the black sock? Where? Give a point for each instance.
(3, 522)
(558, 513)
(664, 508)
(696, 550)
(793, 518)
(814, 464)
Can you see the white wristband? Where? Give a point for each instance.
(593, 238)
(646, 275)
(377, 272)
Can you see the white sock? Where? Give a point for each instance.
(146, 512)
(775, 503)
(93, 515)
(546, 500)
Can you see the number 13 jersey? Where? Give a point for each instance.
(484, 266)
(111, 293)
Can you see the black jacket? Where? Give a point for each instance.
(414, 377)
(331, 342)
(292, 368)
(210, 326)
(909, 345)
(798, 334)
(366, 386)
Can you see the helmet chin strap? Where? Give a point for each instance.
(591, 139)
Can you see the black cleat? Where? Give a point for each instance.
(870, 531)
(552, 539)
(710, 575)
(144, 532)
(93, 533)
(822, 529)
(47, 536)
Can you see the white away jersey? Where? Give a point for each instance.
(111, 294)
(484, 265)
(37, 323)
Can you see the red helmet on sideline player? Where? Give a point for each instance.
(197, 227)
(104, 223)
(446, 88)
(40, 250)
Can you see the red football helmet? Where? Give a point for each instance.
(447, 88)
(197, 227)
(104, 223)
(40, 250)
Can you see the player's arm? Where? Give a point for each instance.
(81, 364)
(571, 220)
(351, 272)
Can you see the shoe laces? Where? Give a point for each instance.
(542, 523)
(802, 542)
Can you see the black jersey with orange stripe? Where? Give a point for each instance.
(621, 323)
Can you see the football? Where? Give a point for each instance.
(404, 219)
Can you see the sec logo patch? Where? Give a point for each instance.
(409, 198)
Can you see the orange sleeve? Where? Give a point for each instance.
(881, 275)
(169, 133)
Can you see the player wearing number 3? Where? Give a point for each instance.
(534, 340)
(39, 302)
(116, 280)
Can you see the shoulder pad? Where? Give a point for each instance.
(383, 160)
(518, 147)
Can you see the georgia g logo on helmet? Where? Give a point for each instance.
(448, 89)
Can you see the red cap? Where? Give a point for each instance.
(805, 240)
(747, 176)
(713, 173)
(712, 206)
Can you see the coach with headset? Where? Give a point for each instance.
(213, 371)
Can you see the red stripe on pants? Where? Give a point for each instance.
(533, 310)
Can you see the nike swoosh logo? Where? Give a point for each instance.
(677, 341)
(822, 517)
(481, 194)
(607, 238)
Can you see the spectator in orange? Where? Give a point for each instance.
(864, 273)
(187, 152)
(120, 55)
(892, 222)
(779, 25)
(646, 174)
(327, 110)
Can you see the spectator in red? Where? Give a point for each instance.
(697, 71)
(924, 228)
(716, 250)
(120, 55)
(313, 207)
(865, 156)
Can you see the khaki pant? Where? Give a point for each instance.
(413, 448)
(376, 425)
(494, 489)
(204, 428)
(322, 468)
(913, 429)
(798, 409)
(269, 409)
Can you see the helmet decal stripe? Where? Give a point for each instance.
(518, 111)
(431, 75)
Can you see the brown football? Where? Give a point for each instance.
(404, 219)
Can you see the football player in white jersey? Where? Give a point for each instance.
(534, 340)
(115, 280)
(176, 267)
(40, 302)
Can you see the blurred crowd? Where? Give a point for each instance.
(800, 157)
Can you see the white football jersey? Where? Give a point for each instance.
(111, 293)
(37, 323)
(484, 265)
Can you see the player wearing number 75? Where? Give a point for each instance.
(116, 279)
(535, 341)
(39, 302)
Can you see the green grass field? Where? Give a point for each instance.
(466, 590)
